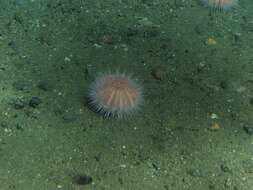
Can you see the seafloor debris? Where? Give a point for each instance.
(82, 179)
(158, 73)
(215, 126)
(248, 128)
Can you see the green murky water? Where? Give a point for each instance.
(194, 130)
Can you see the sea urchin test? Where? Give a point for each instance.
(116, 95)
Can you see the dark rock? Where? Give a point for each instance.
(211, 186)
(223, 84)
(12, 45)
(194, 173)
(225, 168)
(35, 101)
(158, 73)
(18, 103)
(82, 180)
(228, 183)
(68, 117)
(22, 86)
(151, 32)
(97, 157)
(155, 166)
(43, 85)
(131, 32)
(248, 128)
(251, 101)
(120, 181)
(19, 127)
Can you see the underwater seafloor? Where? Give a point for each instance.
(194, 130)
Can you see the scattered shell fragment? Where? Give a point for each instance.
(215, 126)
(214, 116)
(211, 41)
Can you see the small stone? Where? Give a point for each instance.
(82, 179)
(223, 84)
(158, 73)
(69, 118)
(43, 85)
(251, 101)
(22, 86)
(67, 59)
(35, 101)
(214, 116)
(131, 32)
(211, 186)
(211, 41)
(194, 172)
(225, 168)
(19, 127)
(18, 103)
(6, 130)
(248, 129)
(107, 39)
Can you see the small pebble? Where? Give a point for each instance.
(211, 186)
(225, 168)
(211, 41)
(82, 180)
(107, 39)
(22, 86)
(251, 101)
(248, 129)
(194, 172)
(35, 101)
(223, 84)
(214, 116)
(158, 73)
(18, 103)
(69, 118)
(19, 127)
(43, 85)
